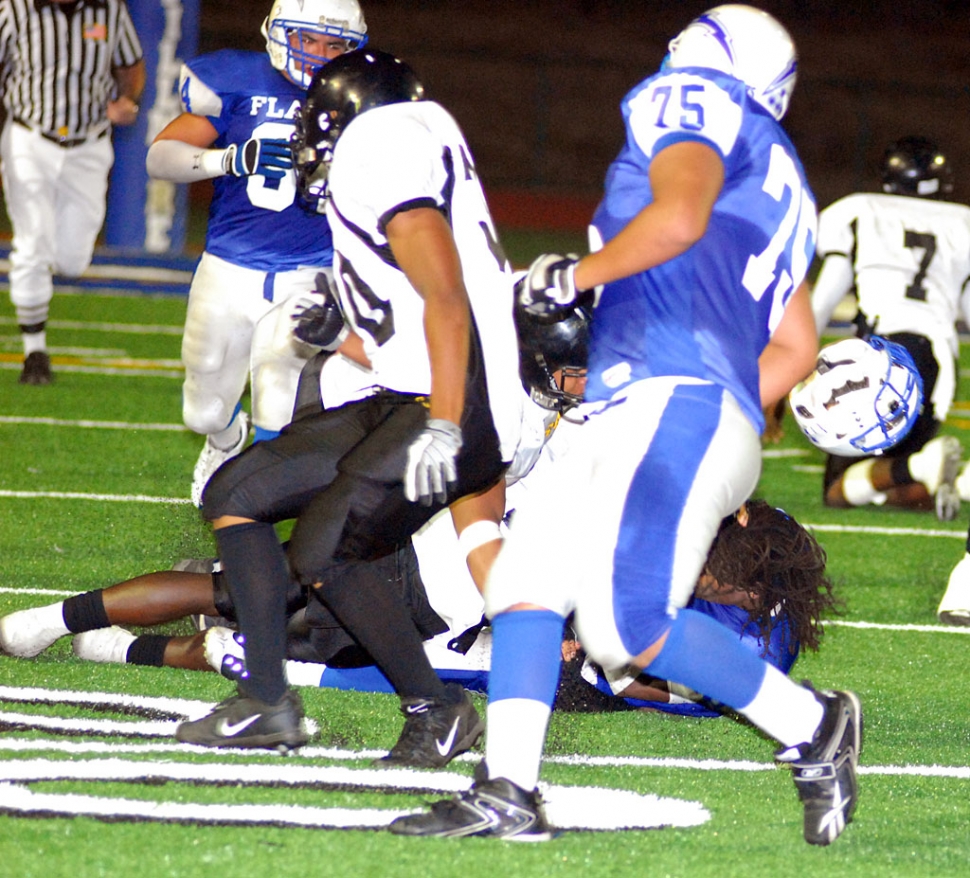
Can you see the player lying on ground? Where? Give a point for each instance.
(775, 609)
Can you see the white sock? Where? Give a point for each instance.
(857, 484)
(516, 734)
(51, 617)
(788, 712)
(228, 438)
(34, 341)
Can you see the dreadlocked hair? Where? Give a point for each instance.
(780, 562)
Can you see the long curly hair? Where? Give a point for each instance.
(780, 562)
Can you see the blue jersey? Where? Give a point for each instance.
(253, 221)
(709, 312)
(780, 651)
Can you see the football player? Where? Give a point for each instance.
(764, 578)
(423, 285)
(262, 248)
(552, 358)
(775, 608)
(906, 254)
(703, 240)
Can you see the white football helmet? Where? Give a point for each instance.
(745, 43)
(291, 18)
(863, 397)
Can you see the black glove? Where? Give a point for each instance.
(320, 323)
(549, 285)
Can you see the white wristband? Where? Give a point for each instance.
(477, 534)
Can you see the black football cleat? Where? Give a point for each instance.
(435, 732)
(243, 721)
(37, 369)
(490, 809)
(824, 770)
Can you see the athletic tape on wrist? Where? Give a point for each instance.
(477, 534)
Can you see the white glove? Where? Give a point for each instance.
(431, 469)
(549, 285)
(270, 158)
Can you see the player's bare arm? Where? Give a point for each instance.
(686, 179)
(791, 352)
(424, 248)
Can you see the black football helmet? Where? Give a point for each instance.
(339, 92)
(551, 343)
(915, 166)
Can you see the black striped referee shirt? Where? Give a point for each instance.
(57, 62)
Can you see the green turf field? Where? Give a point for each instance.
(93, 476)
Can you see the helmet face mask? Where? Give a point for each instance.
(291, 23)
(862, 399)
(746, 43)
(915, 166)
(339, 92)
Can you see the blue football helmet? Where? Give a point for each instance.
(289, 20)
(743, 42)
(863, 397)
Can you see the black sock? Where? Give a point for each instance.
(149, 649)
(899, 472)
(255, 571)
(85, 612)
(373, 611)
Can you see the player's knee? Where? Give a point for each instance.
(218, 496)
(206, 415)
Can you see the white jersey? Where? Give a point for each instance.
(395, 158)
(910, 260)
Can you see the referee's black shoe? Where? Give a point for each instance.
(37, 369)
(436, 731)
(243, 721)
(490, 809)
(824, 770)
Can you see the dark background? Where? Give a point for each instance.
(535, 84)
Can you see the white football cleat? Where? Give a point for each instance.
(936, 465)
(104, 645)
(954, 609)
(962, 483)
(212, 458)
(27, 633)
(224, 651)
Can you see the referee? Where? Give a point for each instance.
(71, 69)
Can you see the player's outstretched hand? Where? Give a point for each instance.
(267, 157)
(549, 285)
(431, 469)
(317, 318)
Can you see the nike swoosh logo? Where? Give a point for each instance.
(230, 730)
(445, 746)
(416, 708)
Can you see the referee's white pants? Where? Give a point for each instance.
(238, 323)
(56, 202)
(620, 530)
